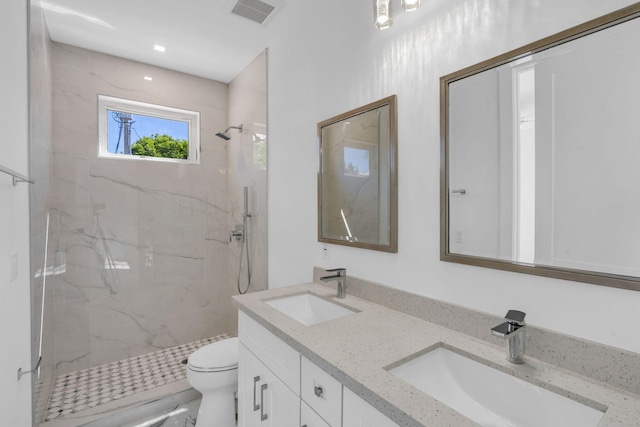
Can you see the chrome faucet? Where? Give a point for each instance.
(513, 330)
(341, 277)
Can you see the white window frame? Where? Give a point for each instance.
(106, 103)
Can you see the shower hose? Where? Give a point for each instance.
(243, 244)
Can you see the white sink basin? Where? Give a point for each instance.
(309, 309)
(490, 397)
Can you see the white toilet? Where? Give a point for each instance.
(213, 371)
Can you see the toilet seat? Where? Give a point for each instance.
(219, 356)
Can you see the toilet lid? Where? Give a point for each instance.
(218, 356)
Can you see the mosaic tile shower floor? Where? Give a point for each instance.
(95, 386)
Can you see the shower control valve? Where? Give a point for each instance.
(238, 233)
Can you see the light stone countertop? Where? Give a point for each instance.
(355, 350)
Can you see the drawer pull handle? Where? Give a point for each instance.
(263, 416)
(318, 391)
(255, 381)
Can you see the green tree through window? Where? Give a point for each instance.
(148, 132)
(161, 146)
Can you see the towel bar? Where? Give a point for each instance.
(17, 177)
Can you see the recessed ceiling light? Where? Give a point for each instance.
(159, 47)
(147, 78)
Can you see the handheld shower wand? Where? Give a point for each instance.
(244, 244)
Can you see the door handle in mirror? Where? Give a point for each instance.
(263, 416)
(255, 381)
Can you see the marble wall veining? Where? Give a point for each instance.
(248, 168)
(353, 201)
(162, 224)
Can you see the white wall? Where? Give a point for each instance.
(331, 59)
(15, 335)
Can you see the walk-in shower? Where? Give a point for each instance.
(138, 270)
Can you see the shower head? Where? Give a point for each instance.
(224, 135)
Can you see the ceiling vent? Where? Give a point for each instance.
(255, 10)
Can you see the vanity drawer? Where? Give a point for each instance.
(321, 392)
(308, 417)
(276, 355)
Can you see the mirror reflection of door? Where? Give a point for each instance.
(492, 164)
(474, 166)
(543, 154)
(524, 222)
(588, 150)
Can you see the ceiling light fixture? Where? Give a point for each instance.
(159, 48)
(411, 5)
(382, 14)
(382, 11)
(148, 78)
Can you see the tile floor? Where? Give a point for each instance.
(80, 390)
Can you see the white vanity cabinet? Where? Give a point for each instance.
(268, 378)
(358, 413)
(277, 387)
(263, 399)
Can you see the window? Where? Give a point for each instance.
(356, 161)
(137, 130)
(260, 151)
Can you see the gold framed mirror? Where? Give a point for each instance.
(540, 154)
(358, 177)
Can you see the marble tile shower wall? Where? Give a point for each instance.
(163, 225)
(248, 167)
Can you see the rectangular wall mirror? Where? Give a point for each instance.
(541, 157)
(357, 178)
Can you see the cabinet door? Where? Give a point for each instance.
(263, 400)
(249, 370)
(274, 353)
(358, 413)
